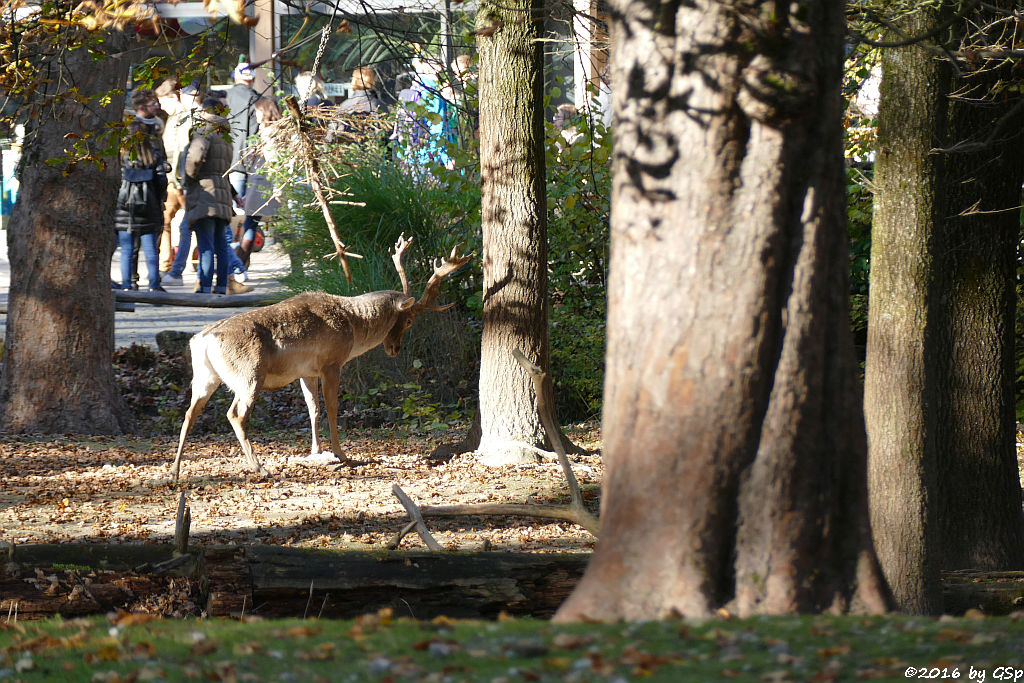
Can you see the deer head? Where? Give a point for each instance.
(409, 307)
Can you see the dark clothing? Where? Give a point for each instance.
(314, 101)
(207, 191)
(361, 102)
(140, 201)
(140, 206)
(242, 116)
(259, 199)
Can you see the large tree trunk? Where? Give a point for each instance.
(58, 375)
(939, 376)
(899, 397)
(978, 493)
(735, 469)
(515, 306)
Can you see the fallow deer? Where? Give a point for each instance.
(308, 337)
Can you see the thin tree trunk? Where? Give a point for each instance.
(515, 306)
(58, 373)
(734, 447)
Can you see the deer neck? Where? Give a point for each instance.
(376, 313)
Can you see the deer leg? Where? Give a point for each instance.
(310, 386)
(204, 382)
(238, 413)
(330, 379)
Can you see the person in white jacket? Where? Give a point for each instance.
(179, 104)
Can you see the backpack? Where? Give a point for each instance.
(138, 198)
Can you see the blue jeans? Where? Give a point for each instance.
(184, 247)
(150, 246)
(235, 264)
(211, 237)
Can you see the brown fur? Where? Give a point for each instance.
(309, 338)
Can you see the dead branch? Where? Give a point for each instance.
(315, 182)
(554, 433)
(575, 512)
(396, 540)
(182, 524)
(414, 514)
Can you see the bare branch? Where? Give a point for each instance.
(414, 513)
(313, 166)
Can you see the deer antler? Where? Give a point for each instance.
(441, 270)
(400, 246)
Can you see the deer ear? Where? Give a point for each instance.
(406, 304)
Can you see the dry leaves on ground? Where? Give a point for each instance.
(112, 490)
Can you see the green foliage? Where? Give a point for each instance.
(859, 212)
(414, 406)
(384, 201)
(579, 190)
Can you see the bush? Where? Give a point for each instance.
(579, 188)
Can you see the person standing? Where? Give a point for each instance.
(179, 103)
(363, 97)
(241, 98)
(140, 201)
(260, 202)
(208, 197)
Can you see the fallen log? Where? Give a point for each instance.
(990, 592)
(422, 585)
(40, 581)
(119, 306)
(197, 300)
(275, 581)
(72, 580)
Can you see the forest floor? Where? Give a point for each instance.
(115, 490)
(118, 489)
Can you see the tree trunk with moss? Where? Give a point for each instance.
(515, 306)
(898, 394)
(939, 396)
(735, 454)
(58, 373)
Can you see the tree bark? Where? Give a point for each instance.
(899, 398)
(939, 394)
(979, 493)
(515, 306)
(735, 471)
(58, 373)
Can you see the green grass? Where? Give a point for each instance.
(377, 647)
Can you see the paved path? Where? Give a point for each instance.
(141, 326)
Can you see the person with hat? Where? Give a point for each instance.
(242, 116)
